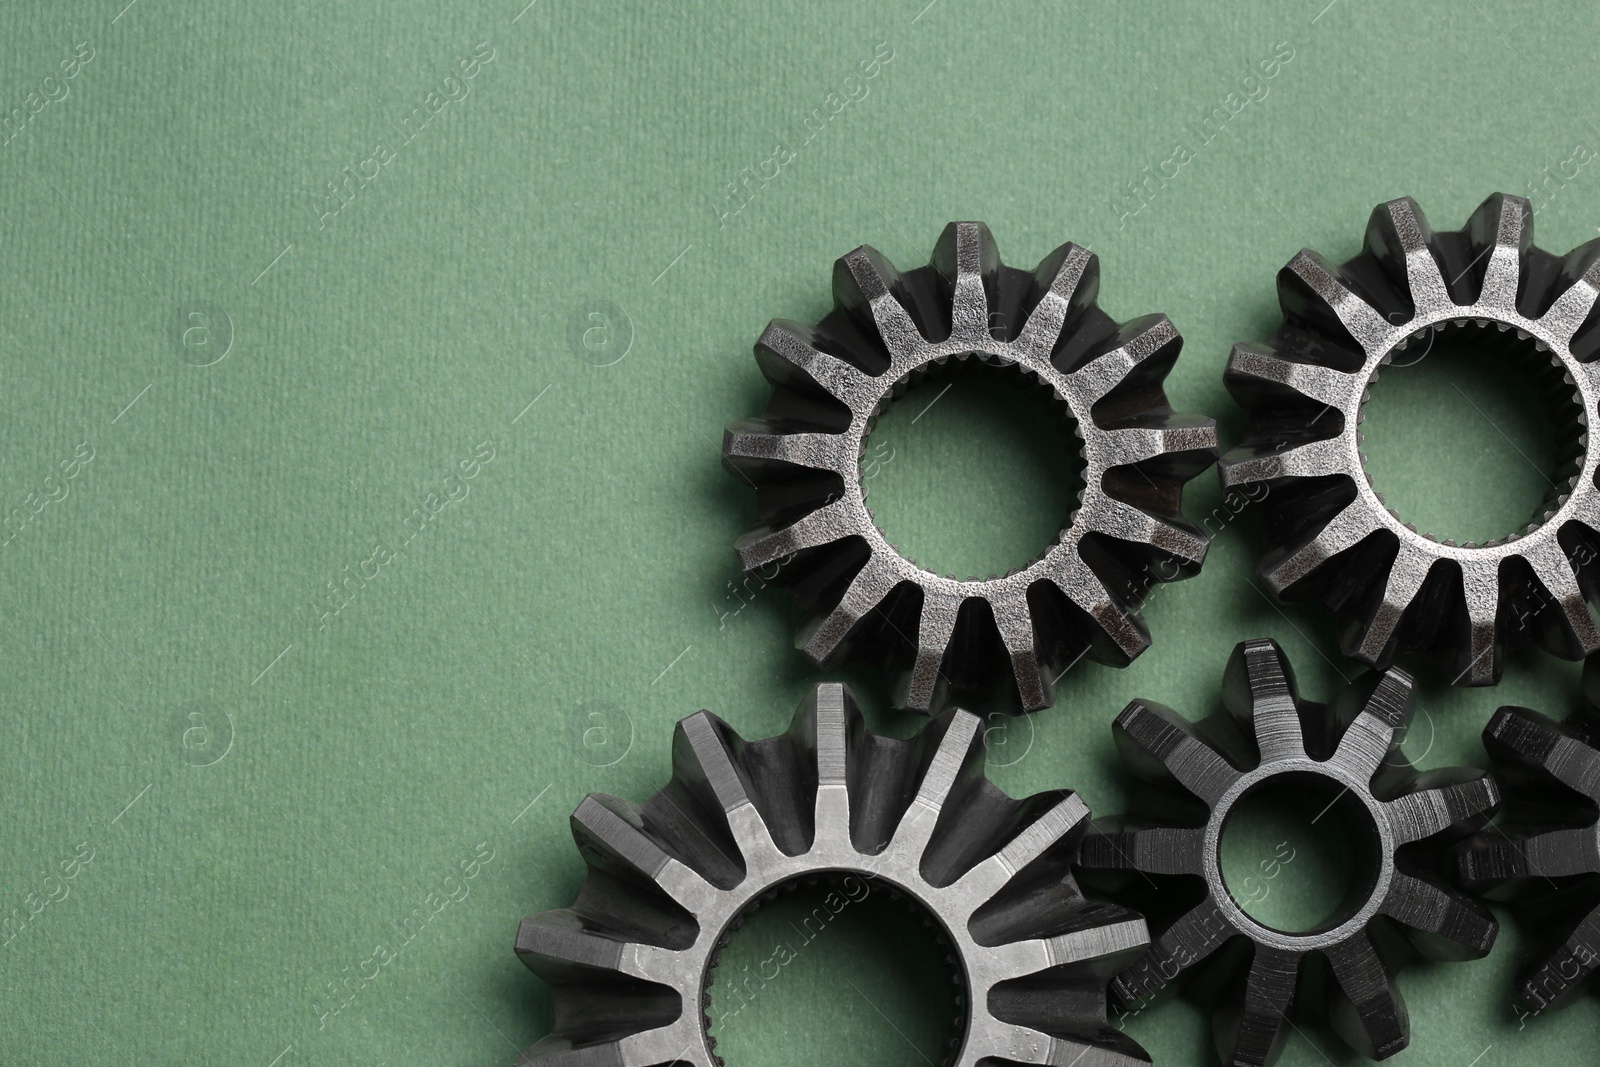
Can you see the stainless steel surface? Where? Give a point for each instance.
(1546, 857)
(632, 961)
(1331, 537)
(950, 637)
(1168, 859)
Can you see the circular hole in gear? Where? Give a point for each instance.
(973, 471)
(1470, 434)
(836, 970)
(1299, 853)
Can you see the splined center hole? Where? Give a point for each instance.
(836, 971)
(973, 472)
(1299, 853)
(1470, 434)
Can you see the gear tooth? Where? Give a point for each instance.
(766, 544)
(1067, 282)
(1251, 1030)
(1399, 237)
(1376, 714)
(1057, 830)
(1456, 807)
(864, 284)
(1573, 308)
(968, 264)
(1312, 289)
(1313, 459)
(1563, 975)
(555, 945)
(1344, 531)
(923, 687)
(828, 724)
(1480, 658)
(611, 834)
(755, 447)
(1489, 863)
(825, 640)
(1366, 1008)
(1015, 623)
(556, 1051)
(703, 751)
(1160, 746)
(1098, 613)
(705, 759)
(788, 355)
(1502, 230)
(1144, 345)
(958, 755)
(1526, 739)
(1152, 850)
(1259, 690)
(1575, 633)
(1441, 924)
(1188, 941)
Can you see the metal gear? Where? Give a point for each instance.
(1546, 856)
(632, 960)
(1330, 535)
(946, 636)
(1169, 864)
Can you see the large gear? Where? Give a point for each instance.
(1545, 858)
(1169, 863)
(1330, 535)
(947, 636)
(632, 961)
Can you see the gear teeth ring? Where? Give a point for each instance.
(632, 960)
(1347, 750)
(1546, 858)
(947, 638)
(1330, 535)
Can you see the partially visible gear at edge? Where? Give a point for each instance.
(1544, 854)
(632, 961)
(1330, 535)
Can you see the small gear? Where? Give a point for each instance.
(1546, 856)
(1402, 821)
(946, 636)
(1330, 535)
(632, 961)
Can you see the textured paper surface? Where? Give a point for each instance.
(317, 701)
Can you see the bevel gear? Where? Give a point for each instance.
(1168, 862)
(632, 961)
(946, 636)
(1330, 535)
(1544, 856)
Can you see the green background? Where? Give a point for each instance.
(537, 638)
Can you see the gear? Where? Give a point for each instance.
(1171, 866)
(1330, 535)
(1546, 858)
(632, 961)
(947, 636)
